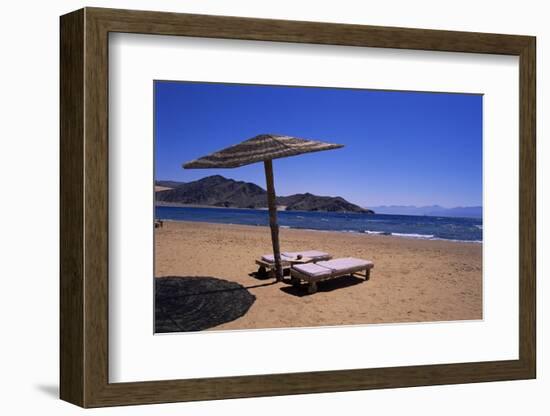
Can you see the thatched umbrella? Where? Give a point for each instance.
(262, 148)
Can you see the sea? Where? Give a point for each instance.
(403, 226)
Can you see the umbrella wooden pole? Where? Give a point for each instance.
(272, 205)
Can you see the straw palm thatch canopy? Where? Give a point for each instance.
(257, 149)
(264, 147)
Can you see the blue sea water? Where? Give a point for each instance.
(407, 226)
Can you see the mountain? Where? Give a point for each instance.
(310, 202)
(431, 210)
(218, 191)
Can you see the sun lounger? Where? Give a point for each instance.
(267, 262)
(312, 273)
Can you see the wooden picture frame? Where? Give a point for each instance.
(84, 207)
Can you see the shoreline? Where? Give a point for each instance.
(346, 232)
(160, 204)
(280, 208)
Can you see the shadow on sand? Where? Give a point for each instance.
(196, 303)
(264, 275)
(260, 276)
(325, 286)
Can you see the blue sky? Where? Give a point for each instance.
(401, 148)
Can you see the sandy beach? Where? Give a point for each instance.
(412, 281)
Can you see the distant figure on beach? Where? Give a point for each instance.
(159, 223)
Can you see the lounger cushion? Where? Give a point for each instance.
(312, 269)
(312, 254)
(345, 263)
(270, 258)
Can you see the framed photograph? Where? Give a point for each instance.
(255, 207)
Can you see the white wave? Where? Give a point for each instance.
(480, 227)
(412, 235)
(374, 232)
(458, 241)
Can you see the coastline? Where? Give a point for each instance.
(178, 205)
(347, 232)
(413, 280)
(279, 208)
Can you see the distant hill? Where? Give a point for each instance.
(218, 191)
(310, 202)
(431, 210)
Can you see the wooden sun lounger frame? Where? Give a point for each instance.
(285, 264)
(296, 276)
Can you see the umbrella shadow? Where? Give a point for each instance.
(196, 303)
(324, 286)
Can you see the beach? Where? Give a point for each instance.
(413, 280)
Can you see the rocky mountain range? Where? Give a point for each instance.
(218, 191)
